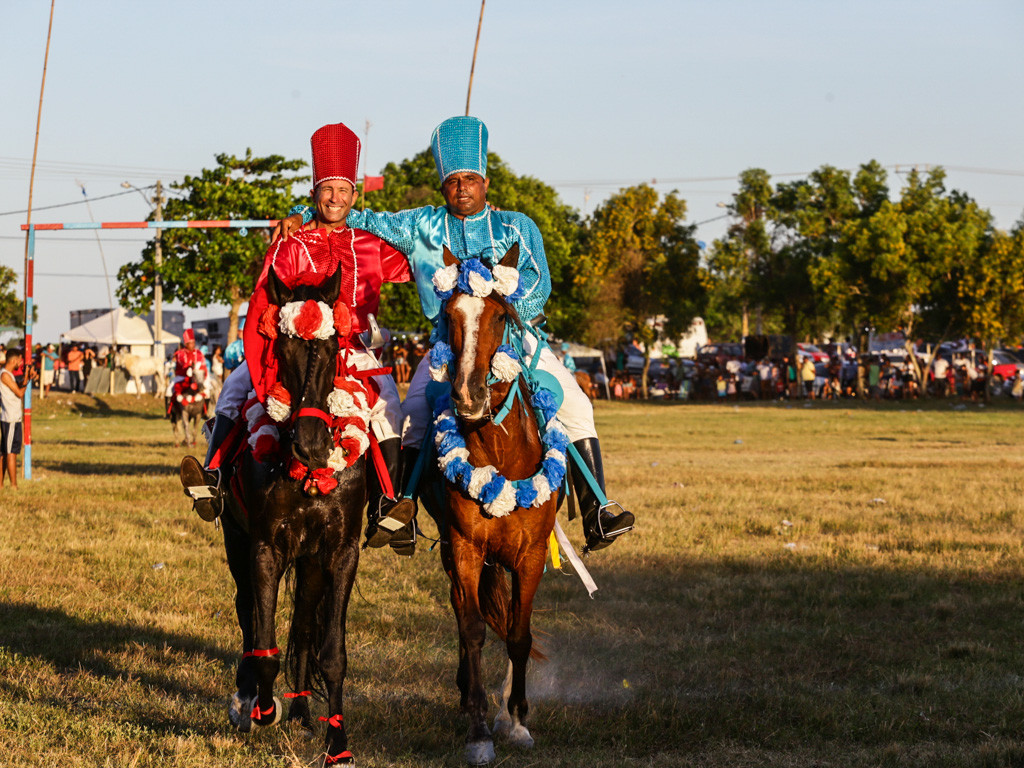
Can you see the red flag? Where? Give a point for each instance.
(373, 183)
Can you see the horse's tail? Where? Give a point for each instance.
(495, 600)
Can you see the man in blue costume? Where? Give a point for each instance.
(471, 228)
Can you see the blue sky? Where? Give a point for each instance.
(589, 97)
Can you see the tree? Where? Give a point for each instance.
(897, 265)
(413, 183)
(803, 227)
(733, 258)
(215, 266)
(991, 290)
(12, 309)
(643, 263)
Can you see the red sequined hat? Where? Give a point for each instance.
(335, 154)
(188, 335)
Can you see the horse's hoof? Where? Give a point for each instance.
(520, 737)
(267, 719)
(502, 725)
(239, 711)
(480, 752)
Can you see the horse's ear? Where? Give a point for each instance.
(449, 258)
(511, 257)
(332, 287)
(278, 293)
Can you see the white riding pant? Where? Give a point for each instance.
(386, 417)
(576, 412)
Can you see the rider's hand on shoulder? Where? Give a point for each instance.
(285, 227)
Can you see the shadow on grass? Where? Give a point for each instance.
(782, 655)
(93, 406)
(101, 468)
(72, 644)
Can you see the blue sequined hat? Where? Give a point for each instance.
(459, 145)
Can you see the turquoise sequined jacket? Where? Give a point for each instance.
(420, 233)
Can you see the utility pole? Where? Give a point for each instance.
(158, 280)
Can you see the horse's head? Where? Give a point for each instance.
(307, 359)
(476, 326)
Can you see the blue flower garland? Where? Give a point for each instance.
(498, 495)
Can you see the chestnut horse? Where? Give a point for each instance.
(476, 547)
(276, 521)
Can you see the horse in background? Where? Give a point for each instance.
(586, 384)
(292, 510)
(136, 367)
(483, 537)
(188, 407)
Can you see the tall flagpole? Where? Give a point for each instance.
(476, 45)
(29, 243)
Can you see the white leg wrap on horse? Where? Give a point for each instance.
(503, 720)
(520, 737)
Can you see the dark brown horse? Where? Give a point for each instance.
(286, 513)
(188, 407)
(477, 547)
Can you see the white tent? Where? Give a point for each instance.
(117, 328)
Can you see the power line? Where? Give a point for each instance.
(75, 202)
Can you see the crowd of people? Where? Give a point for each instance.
(874, 377)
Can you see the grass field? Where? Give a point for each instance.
(826, 586)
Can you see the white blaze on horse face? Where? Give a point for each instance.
(467, 310)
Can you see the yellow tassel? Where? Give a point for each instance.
(556, 561)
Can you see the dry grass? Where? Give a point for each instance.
(808, 587)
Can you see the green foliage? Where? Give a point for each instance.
(991, 290)
(643, 263)
(214, 266)
(12, 308)
(830, 254)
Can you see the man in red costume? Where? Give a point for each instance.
(313, 253)
(187, 362)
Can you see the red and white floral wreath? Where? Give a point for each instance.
(349, 403)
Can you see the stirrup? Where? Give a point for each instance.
(600, 539)
(207, 501)
(404, 540)
(381, 530)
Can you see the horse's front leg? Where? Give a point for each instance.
(511, 719)
(333, 657)
(309, 590)
(267, 568)
(237, 547)
(467, 564)
(176, 427)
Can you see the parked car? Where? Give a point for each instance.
(1006, 364)
(815, 354)
(710, 353)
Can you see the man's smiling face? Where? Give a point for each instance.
(333, 200)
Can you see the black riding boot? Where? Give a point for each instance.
(600, 526)
(404, 540)
(202, 485)
(385, 516)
